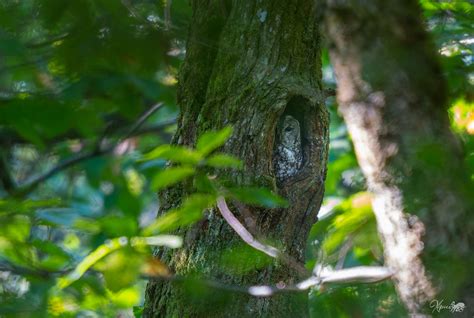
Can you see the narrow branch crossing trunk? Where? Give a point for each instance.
(255, 66)
(391, 94)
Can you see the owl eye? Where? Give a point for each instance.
(288, 129)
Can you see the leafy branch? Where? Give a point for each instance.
(100, 150)
(320, 275)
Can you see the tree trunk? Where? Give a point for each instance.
(392, 96)
(249, 64)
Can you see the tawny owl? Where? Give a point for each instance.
(288, 156)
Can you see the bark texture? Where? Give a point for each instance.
(249, 64)
(392, 96)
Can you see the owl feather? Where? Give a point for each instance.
(288, 155)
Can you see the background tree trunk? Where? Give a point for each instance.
(392, 96)
(249, 64)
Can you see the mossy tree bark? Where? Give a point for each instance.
(392, 96)
(249, 64)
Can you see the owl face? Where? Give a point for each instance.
(290, 133)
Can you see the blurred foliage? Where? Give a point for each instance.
(346, 233)
(76, 77)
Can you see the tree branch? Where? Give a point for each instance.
(8, 137)
(321, 275)
(247, 237)
(34, 182)
(47, 41)
(97, 152)
(5, 176)
(26, 271)
(360, 274)
(141, 120)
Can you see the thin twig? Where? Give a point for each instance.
(9, 137)
(365, 274)
(154, 128)
(31, 185)
(100, 150)
(167, 14)
(360, 274)
(26, 271)
(248, 238)
(242, 231)
(141, 120)
(41, 59)
(343, 252)
(47, 41)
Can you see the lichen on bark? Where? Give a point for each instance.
(246, 61)
(392, 95)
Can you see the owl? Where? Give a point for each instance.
(288, 156)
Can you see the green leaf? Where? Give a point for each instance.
(258, 196)
(356, 213)
(49, 248)
(91, 259)
(170, 176)
(87, 225)
(26, 206)
(337, 167)
(15, 228)
(212, 140)
(224, 161)
(202, 183)
(121, 268)
(174, 153)
(114, 225)
(189, 212)
(51, 117)
(137, 311)
(126, 297)
(111, 246)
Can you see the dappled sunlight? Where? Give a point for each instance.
(236, 159)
